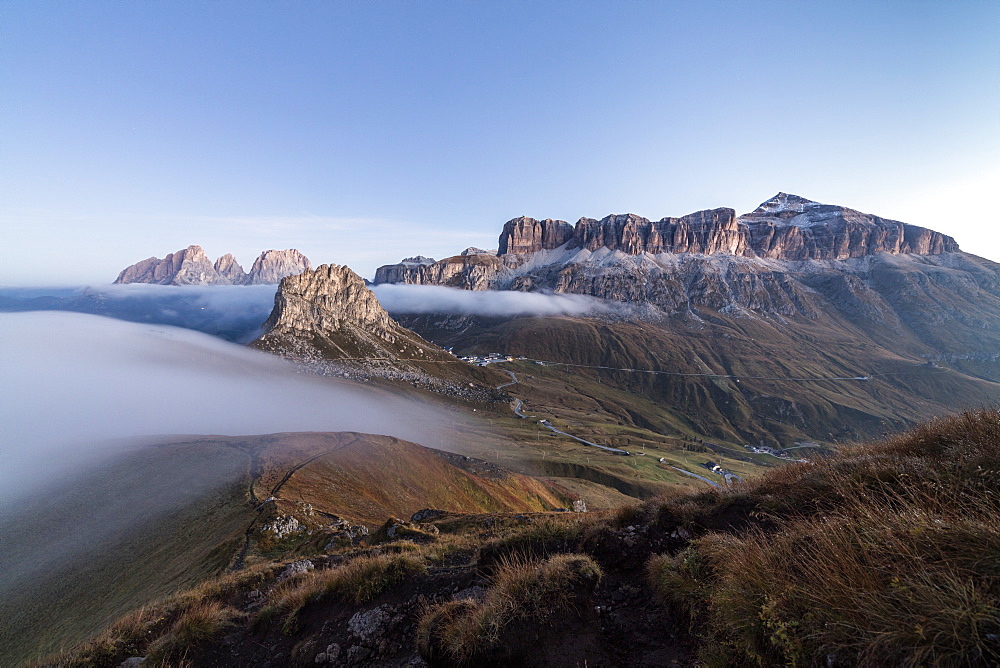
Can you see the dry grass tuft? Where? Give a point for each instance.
(521, 592)
(201, 622)
(537, 540)
(357, 581)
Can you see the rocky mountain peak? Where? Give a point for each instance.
(328, 313)
(790, 227)
(189, 266)
(325, 299)
(785, 202)
(230, 270)
(418, 259)
(274, 265)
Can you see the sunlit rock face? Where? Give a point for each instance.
(191, 266)
(326, 299)
(527, 235)
(230, 271)
(703, 232)
(478, 271)
(185, 267)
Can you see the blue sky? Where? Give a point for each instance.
(360, 132)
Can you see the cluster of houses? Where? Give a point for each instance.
(486, 360)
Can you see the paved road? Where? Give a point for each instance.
(513, 379)
(517, 408)
(585, 442)
(695, 475)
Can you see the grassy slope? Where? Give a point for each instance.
(167, 517)
(366, 478)
(777, 412)
(147, 525)
(885, 554)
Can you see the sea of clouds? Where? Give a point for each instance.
(70, 383)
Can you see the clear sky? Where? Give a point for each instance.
(359, 132)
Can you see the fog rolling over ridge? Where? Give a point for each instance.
(236, 312)
(70, 380)
(399, 298)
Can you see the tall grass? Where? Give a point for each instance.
(892, 559)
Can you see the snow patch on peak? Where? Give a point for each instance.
(418, 259)
(783, 202)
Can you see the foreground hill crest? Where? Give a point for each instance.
(191, 266)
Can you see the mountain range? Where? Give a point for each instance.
(748, 313)
(191, 266)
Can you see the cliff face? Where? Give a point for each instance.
(325, 299)
(328, 319)
(704, 232)
(527, 235)
(229, 270)
(192, 267)
(470, 272)
(785, 227)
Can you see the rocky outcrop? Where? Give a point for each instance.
(527, 235)
(330, 312)
(273, 265)
(192, 267)
(326, 299)
(785, 227)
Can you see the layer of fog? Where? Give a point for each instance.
(236, 313)
(490, 303)
(231, 312)
(68, 380)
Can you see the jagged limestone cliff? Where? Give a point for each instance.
(783, 258)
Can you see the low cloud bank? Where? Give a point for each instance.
(492, 303)
(231, 312)
(70, 380)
